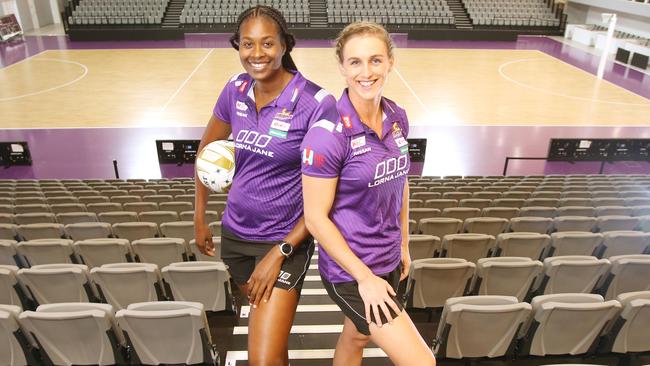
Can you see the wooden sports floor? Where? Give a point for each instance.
(178, 87)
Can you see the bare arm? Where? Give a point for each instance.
(404, 218)
(319, 197)
(216, 130)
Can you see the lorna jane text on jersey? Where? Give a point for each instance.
(265, 199)
(372, 171)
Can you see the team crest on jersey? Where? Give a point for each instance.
(397, 131)
(284, 115)
(347, 122)
(241, 106)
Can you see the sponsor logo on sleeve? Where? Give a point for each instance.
(311, 158)
(308, 156)
(243, 86)
(241, 106)
(279, 129)
(347, 122)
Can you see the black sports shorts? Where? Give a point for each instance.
(241, 256)
(346, 296)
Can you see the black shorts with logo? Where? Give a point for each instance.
(241, 256)
(346, 296)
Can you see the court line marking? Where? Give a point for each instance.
(426, 109)
(303, 354)
(589, 73)
(178, 90)
(543, 91)
(23, 60)
(54, 87)
(300, 309)
(299, 329)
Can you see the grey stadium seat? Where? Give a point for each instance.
(547, 332)
(628, 273)
(479, 326)
(135, 230)
(15, 343)
(625, 242)
(571, 274)
(8, 254)
(182, 333)
(160, 251)
(205, 282)
(522, 244)
(507, 276)
(432, 281)
(630, 332)
(77, 333)
(100, 251)
(540, 225)
(40, 231)
(46, 251)
(574, 223)
(424, 246)
(470, 247)
(88, 230)
(52, 283)
(121, 284)
(574, 243)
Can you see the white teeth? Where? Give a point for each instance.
(366, 83)
(258, 66)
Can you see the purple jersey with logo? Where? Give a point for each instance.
(265, 199)
(371, 173)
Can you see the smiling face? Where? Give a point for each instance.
(261, 48)
(365, 65)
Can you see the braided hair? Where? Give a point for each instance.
(278, 18)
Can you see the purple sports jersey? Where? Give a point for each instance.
(265, 199)
(372, 171)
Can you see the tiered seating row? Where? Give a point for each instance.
(511, 13)
(227, 11)
(389, 11)
(118, 12)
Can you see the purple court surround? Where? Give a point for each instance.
(451, 150)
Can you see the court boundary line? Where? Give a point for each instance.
(589, 73)
(184, 83)
(408, 86)
(83, 75)
(567, 96)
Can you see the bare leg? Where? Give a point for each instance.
(349, 348)
(269, 326)
(392, 337)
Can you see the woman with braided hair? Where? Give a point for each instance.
(268, 109)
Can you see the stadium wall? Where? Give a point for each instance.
(632, 17)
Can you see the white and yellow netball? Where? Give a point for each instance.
(215, 165)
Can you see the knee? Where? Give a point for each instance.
(355, 338)
(266, 360)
